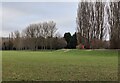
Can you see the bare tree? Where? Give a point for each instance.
(114, 18)
(16, 40)
(39, 36)
(90, 19)
(52, 31)
(83, 21)
(99, 15)
(32, 34)
(45, 33)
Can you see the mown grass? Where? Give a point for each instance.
(74, 65)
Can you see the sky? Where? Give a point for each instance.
(18, 15)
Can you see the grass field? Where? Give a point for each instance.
(82, 65)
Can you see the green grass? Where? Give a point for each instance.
(82, 65)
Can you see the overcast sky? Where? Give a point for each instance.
(18, 15)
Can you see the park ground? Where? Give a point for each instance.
(60, 65)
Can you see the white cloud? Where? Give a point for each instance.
(9, 16)
(0, 19)
(58, 0)
(16, 16)
(10, 13)
(0, 10)
(40, 1)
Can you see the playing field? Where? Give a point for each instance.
(82, 65)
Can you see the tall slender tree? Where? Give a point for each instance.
(90, 21)
(114, 22)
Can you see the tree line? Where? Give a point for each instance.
(36, 36)
(96, 21)
(114, 21)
